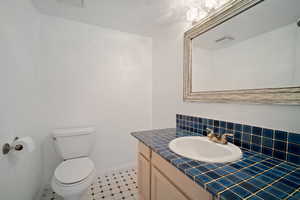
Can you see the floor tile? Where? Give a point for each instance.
(115, 185)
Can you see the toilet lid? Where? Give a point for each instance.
(74, 170)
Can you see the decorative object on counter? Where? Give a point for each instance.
(277, 143)
(25, 144)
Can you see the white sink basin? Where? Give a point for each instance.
(202, 149)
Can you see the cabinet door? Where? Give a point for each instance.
(143, 178)
(162, 189)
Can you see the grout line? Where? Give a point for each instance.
(261, 173)
(290, 195)
(240, 171)
(277, 180)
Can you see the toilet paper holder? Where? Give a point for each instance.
(6, 148)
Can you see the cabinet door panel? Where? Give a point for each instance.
(143, 178)
(192, 190)
(162, 189)
(144, 150)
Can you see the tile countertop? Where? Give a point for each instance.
(255, 176)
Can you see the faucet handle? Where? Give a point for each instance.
(210, 133)
(227, 134)
(209, 130)
(224, 137)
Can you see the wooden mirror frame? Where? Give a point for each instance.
(283, 95)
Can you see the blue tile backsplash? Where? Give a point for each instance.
(276, 143)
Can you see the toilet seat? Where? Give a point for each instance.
(74, 170)
(72, 191)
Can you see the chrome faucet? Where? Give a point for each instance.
(217, 138)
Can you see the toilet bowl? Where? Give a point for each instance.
(73, 176)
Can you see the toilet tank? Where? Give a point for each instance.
(74, 142)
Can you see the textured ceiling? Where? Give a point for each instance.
(143, 17)
(264, 17)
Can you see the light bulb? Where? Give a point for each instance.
(211, 4)
(201, 14)
(221, 3)
(203, 8)
(192, 14)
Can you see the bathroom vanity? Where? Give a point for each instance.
(165, 175)
(159, 180)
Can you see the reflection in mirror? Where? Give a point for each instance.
(259, 48)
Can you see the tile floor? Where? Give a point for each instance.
(115, 185)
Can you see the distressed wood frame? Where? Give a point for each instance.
(284, 95)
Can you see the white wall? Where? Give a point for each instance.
(167, 92)
(297, 70)
(99, 77)
(20, 177)
(58, 73)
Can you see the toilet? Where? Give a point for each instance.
(74, 175)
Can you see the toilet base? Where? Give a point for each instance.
(72, 192)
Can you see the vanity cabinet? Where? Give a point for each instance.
(163, 189)
(144, 172)
(143, 178)
(159, 180)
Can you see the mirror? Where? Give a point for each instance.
(247, 52)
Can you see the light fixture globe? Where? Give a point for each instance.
(203, 8)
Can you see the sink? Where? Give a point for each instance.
(202, 149)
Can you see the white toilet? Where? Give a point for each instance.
(75, 174)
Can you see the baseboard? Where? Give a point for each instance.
(117, 168)
(40, 192)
